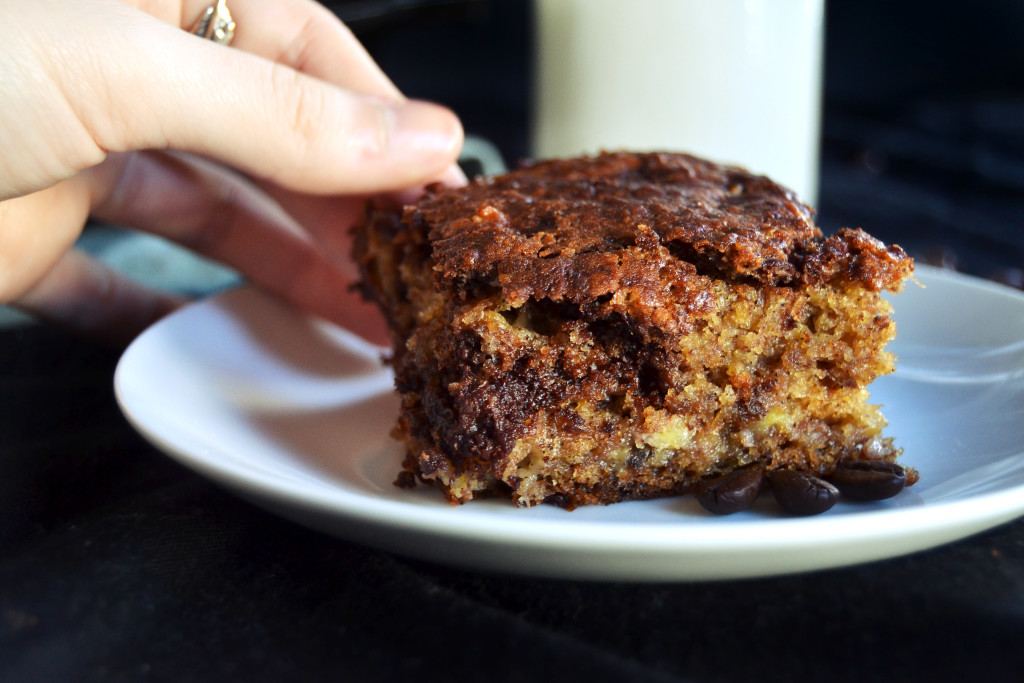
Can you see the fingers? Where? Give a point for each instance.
(257, 112)
(35, 229)
(248, 112)
(40, 275)
(224, 217)
(329, 219)
(82, 295)
(306, 36)
(195, 203)
(310, 39)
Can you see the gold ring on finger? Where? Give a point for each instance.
(216, 24)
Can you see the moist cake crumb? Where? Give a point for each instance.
(624, 326)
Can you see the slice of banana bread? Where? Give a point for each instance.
(619, 327)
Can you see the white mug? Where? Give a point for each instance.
(735, 81)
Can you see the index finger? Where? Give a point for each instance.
(309, 38)
(305, 36)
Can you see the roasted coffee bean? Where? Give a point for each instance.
(730, 492)
(869, 479)
(801, 493)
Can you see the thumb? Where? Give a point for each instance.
(162, 88)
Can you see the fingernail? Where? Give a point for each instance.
(425, 131)
(453, 177)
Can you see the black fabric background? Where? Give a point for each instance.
(118, 565)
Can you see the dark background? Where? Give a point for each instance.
(118, 565)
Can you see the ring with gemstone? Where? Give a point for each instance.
(216, 24)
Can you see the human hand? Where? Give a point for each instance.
(258, 156)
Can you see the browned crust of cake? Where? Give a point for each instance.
(581, 228)
(550, 321)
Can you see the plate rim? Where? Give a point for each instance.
(978, 512)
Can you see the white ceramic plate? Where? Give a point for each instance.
(294, 414)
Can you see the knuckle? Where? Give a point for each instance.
(219, 220)
(6, 262)
(301, 50)
(16, 262)
(301, 104)
(7, 289)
